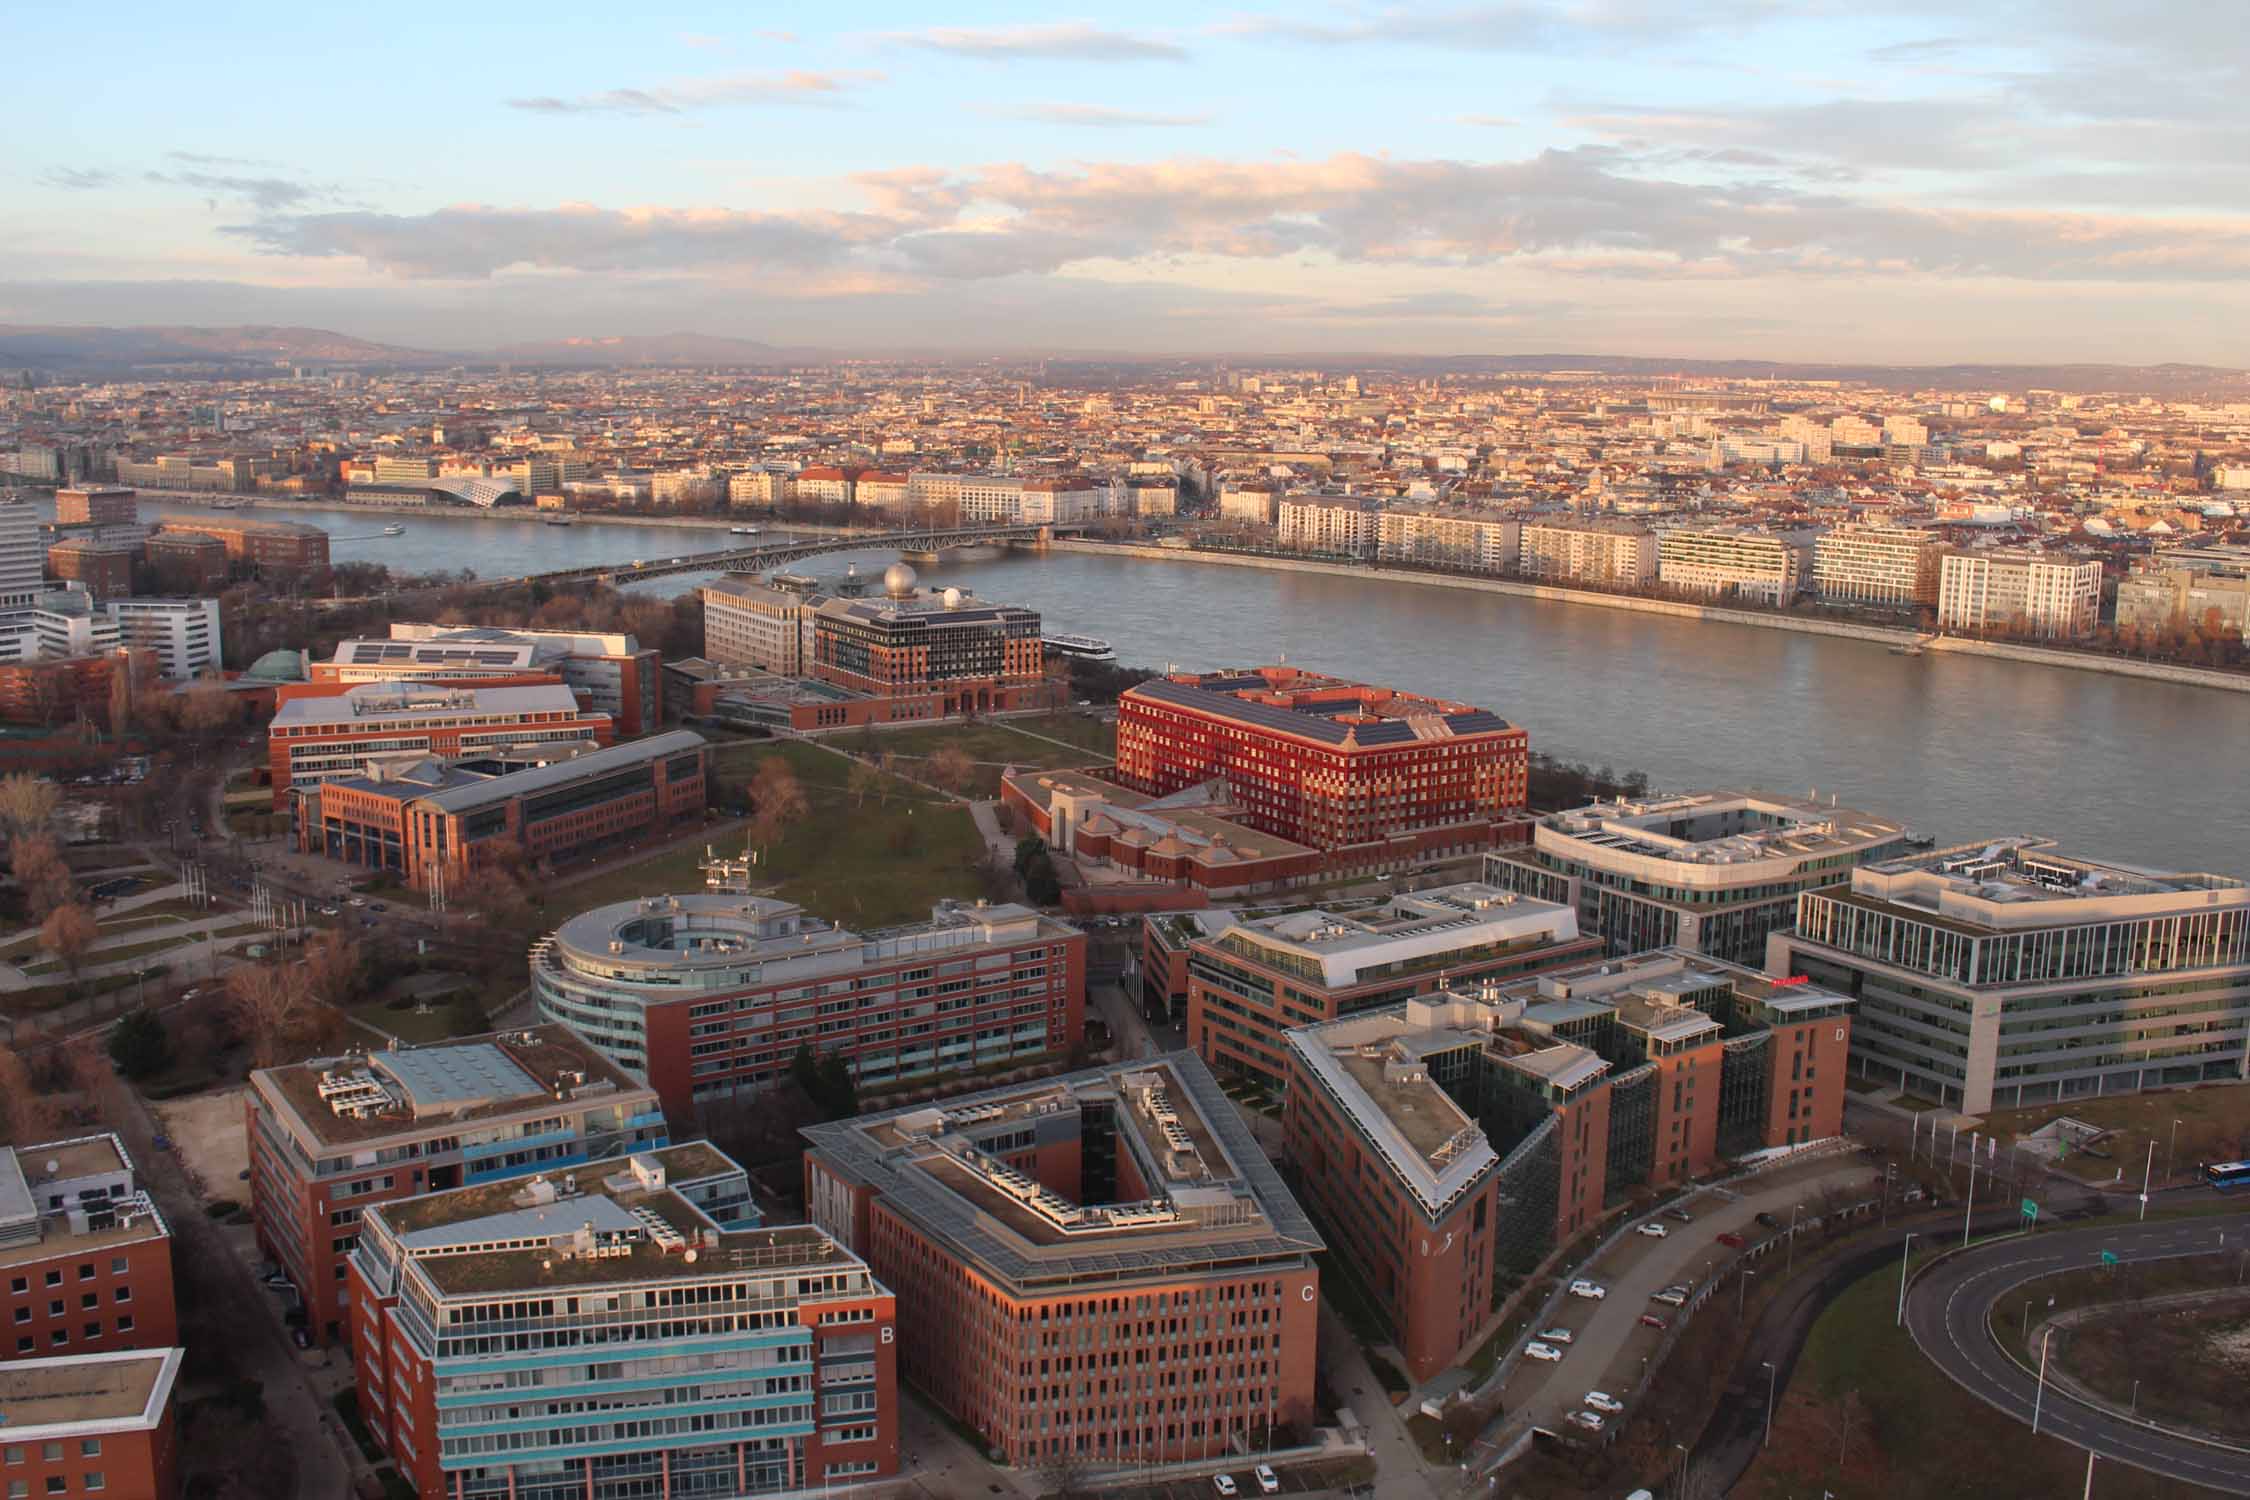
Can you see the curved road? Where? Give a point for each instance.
(1946, 1310)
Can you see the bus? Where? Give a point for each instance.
(2227, 1175)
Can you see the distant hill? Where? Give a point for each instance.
(2061, 377)
(656, 349)
(247, 346)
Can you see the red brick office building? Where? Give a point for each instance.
(1327, 763)
(1101, 1268)
(85, 1257)
(98, 1424)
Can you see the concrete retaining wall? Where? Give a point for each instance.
(2084, 661)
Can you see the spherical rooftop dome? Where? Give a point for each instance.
(898, 580)
(278, 666)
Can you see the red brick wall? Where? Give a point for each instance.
(1582, 1128)
(1808, 1073)
(134, 1464)
(1687, 1096)
(139, 1295)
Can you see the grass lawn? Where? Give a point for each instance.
(1095, 736)
(2214, 1124)
(2175, 1365)
(104, 859)
(992, 745)
(841, 861)
(1866, 1417)
(43, 998)
(435, 1027)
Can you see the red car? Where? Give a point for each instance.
(1731, 1241)
(1651, 1320)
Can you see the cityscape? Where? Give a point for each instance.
(1530, 786)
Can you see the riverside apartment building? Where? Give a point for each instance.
(597, 1335)
(1101, 1268)
(1452, 1137)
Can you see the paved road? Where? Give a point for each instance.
(1611, 1345)
(1947, 1307)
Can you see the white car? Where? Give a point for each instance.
(1224, 1484)
(1268, 1481)
(1592, 1291)
(1604, 1401)
(1585, 1419)
(1546, 1353)
(1671, 1296)
(1652, 1229)
(1557, 1336)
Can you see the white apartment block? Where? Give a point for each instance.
(1257, 503)
(1818, 442)
(673, 486)
(1876, 565)
(1563, 553)
(23, 556)
(758, 487)
(1450, 539)
(752, 624)
(1854, 432)
(1333, 525)
(2038, 593)
(184, 633)
(1157, 498)
(1762, 566)
(1058, 502)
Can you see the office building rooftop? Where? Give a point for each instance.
(54, 1399)
(1406, 931)
(1720, 828)
(2019, 881)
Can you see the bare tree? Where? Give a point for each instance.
(864, 779)
(952, 769)
(28, 1115)
(39, 869)
(777, 800)
(331, 968)
(27, 803)
(69, 933)
(207, 707)
(271, 1006)
(887, 763)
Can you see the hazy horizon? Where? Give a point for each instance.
(1896, 184)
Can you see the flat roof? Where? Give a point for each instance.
(86, 1394)
(1718, 828)
(419, 1089)
(373, 702)
(1421, 925)
(60, 1161)
(1327, 711)
(1215, 1196)
(567, 772)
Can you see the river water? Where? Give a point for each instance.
(1959, 747)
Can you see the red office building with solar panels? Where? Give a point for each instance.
(1330, 764)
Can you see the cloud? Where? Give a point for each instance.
(1921, 50)
(1529, 26)
(266, 194)
(1497, 122)
(1080, 41)
(78, 179)
(1101, 115)
(1583, 212)
(794, 87)
(204, 159)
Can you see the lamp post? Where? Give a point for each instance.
(2148, 1168)
(1683, 1467)
(1790, 1263)
(2170, 1147)
(1742, 1282)
(2040, 1398)
(1772, 1375)
(1903, 1251)
(1970, 1206)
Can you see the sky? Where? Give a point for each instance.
(1775, 179)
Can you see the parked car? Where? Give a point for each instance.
(1651, 1320)
(1671, 1296)
(355, 901)
(1585, 1419)
(1558, 1336)
(1770, 1221)
(1592, 1291)
(1544, 1353)
(1268, 1481)
(328, 911)
(1731, 1241)
(1603, 1401)
(1224, 1484)
(1679, 1214)
(1652, 1229)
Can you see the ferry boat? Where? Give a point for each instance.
(394, 529)
(558, 520)
(1078, 647)
(742, 531)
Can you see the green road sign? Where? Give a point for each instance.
(2030, 1209)
(2109, 1258)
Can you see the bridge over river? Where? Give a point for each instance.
(761, 557)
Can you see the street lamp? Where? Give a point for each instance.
(1742, 1282)
(2147, 1168)
(2170, 1147)
(1683, 1466)
(1772, 1375)
(2039, 1399)
(1903, 1250)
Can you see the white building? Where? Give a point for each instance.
(184, 633)
(1334, 525)
(1817, 441)
(1451, 539)
(1877, 565)
(1255, 502)
(23, 557)
(1564, 553)
(1763, 566)
(1057, 502)
(2038, 593)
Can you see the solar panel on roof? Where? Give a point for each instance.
(1244, 711)
(1387, 732)
(1476, 721)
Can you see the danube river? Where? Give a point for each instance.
(1960, 747)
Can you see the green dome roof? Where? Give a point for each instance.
(278, 666)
